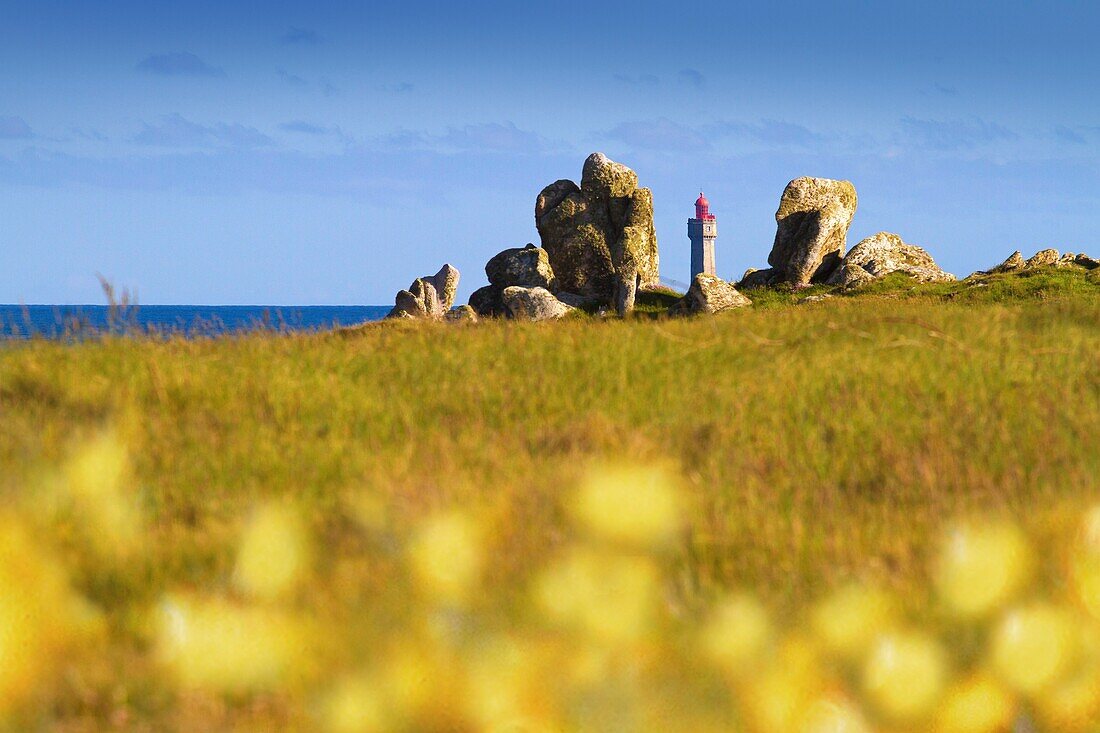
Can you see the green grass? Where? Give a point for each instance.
(816, 445)
(655, 301)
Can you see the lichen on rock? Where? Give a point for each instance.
(528, 267)
(600, 236)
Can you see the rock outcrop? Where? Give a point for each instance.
(709, 294)
(1089, 263)
(1042, 258)
(532, 304)
(600, 236)
(427, 297)
(812, 227)
(882, 254)
(1015, 261)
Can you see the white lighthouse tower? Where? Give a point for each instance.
(702, 231)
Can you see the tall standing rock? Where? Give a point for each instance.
(600, 235)
(574, 233)
(813, 219)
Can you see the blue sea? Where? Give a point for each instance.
(79, 321)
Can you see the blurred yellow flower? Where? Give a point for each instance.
(508, 687)
(638, 505)
(834, 715)
(1072, 704)
(736, 634)
(1085, 562)
(849, 620)
(1034, 646)
(610, 597)
(781, 695)
(978, 704)
(274, 555)
(447, 555)
(904, 675)
(355, 705)
(982, 567)
(40, 615)
(97, 480)
(216, 645)
(370, 510)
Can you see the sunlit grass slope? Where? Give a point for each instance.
(587, 525)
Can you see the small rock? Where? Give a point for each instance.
(427, 297)
(759, 278)
(1042, 258)
(709, 294)
(406, 305)
(816, 298)
(461, 314)
(527, 267)
(533, 304)
(850, 275)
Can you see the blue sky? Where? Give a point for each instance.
(329, 152)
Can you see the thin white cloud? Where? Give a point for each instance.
(15, 128)
(491, 137)
(659, 134)
(692, 77)
(175, 131)
(949, 135)
(178, 64)
(306, 128)
(300, 37)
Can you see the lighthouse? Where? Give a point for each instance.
(702, 231)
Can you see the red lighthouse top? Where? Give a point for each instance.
(702, 208)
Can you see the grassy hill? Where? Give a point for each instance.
(436, 527)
